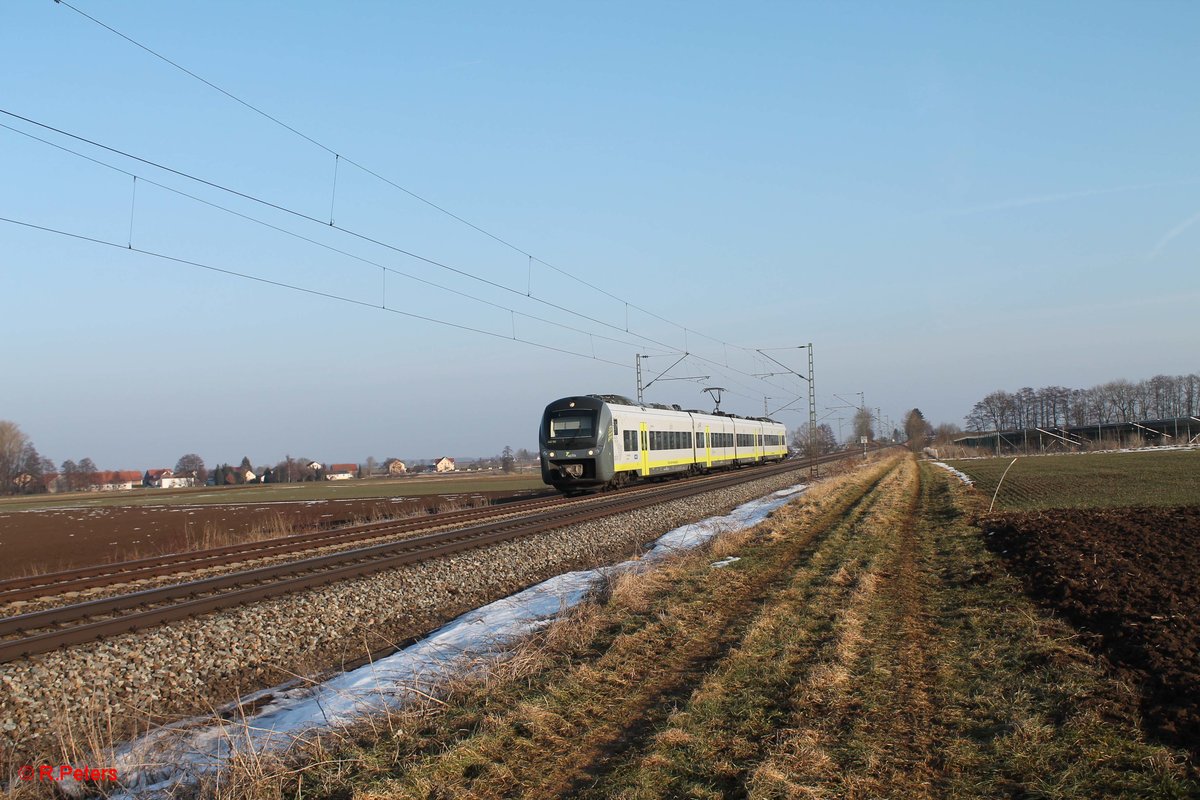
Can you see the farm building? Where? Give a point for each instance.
(395, 466)
(444, 464)
(1147, 432)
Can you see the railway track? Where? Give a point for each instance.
(58, 583)
(37, 632)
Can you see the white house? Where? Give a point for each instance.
(341, 472)
(444, 464)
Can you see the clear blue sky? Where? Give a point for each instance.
(945, 198)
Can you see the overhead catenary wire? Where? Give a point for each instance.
(301, 289)
(306, 217)
(338, 156)
(301, 215)
(308, 240)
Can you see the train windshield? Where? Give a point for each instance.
(572, 424)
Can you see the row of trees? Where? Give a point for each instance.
(823, 439)
(1160, 397)
(24, 470)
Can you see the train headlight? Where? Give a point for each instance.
(591, 452)
(552, 454)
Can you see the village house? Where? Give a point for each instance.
(341, 472)
(444, 464)
(117, 480)
(395, 466)
(167, 479)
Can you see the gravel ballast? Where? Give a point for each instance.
(102, 692)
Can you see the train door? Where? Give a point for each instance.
(708, 446)
(644, 440)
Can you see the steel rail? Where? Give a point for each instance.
(275, 580)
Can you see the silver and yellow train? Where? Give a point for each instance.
(601, 441)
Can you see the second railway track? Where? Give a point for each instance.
(42, 631)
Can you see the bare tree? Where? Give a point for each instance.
(88, 474)
(823, 442)
(12, 448)
(70, 475)
(192, 464)
(946, 432)
(864, 424)
(917, 430)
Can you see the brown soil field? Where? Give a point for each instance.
(1129, 578)
(45, 540)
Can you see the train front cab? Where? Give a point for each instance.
(576, 444)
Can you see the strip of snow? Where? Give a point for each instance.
(962, 476)
(179, 753)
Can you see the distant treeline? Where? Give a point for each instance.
(1160, 397)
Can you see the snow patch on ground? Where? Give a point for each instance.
(176, 754)
(962, 476)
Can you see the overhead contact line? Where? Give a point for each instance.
(338, 157)
(308, 218)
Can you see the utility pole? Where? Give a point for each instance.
(640, 388)
(812, 399)
(638, 361)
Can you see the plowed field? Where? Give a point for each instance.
(1131, 578)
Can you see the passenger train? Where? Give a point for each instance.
(602, 441)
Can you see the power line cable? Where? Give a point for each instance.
(339, 157)
(301, 215)
(347, 231)
(302, 289)
(315, 242)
